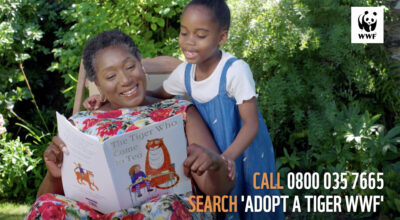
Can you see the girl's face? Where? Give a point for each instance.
(120, 77)
(200, 36)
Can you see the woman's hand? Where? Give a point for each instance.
(53, 156)
(200, 159)
(92, 103)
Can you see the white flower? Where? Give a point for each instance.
(2, 129)
(1, 120)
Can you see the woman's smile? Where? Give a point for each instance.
(131, 92)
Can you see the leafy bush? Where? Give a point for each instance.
(26, 28)
(23, 26)
(305, 66)
(20, 170)
(153, 25)
(307, 72)
(359, 145)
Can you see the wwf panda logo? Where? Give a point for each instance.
(367, 21)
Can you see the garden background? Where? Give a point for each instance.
(331, 106)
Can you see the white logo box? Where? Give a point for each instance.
(367, 24)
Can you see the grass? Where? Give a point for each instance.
(10, 210)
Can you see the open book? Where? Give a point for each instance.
(125, 170)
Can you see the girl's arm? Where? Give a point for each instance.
(248, 131)
(204, 163)
(159, 93)
(160, 64)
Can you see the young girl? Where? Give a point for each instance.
(223, 90)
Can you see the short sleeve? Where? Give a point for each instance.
(240, 83)
(175, 83)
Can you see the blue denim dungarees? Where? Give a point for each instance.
(221, 114)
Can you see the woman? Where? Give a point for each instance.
(112, 61)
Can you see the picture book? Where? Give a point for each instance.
(126, 170)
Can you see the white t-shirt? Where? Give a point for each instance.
(239, 81)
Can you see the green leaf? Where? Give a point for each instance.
(153, 26)
(160, 22)
(396, 140)
(385, 148)
(393, 132)
(148, 17)
(397, 202)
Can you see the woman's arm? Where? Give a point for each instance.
(50, 184)
(53, 157)
(204, 163)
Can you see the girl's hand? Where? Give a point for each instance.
(53, 156)
(200, 159)
(93, 102)
(230, 164)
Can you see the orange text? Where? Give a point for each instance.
(266, 182)
(213, 203)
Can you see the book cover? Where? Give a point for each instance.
(125, 170)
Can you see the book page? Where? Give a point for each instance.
(148, 162)
(85, 173)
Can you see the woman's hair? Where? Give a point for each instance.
(101, 41)
(219, 8)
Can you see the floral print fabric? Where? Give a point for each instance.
(57, 207)
(103, 125)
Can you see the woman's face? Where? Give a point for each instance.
(120, 77)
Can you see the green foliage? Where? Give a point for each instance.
(11, 210)
(301, 56)
(21, 29)
(153, 25)
(358, 145)
(21, 170)
(21, 165)
(307, 72)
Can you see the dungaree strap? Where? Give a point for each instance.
(187, 79)
(222, 81)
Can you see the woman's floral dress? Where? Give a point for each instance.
(105, 124)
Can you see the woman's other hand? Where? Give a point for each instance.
(200, 159)
(93, 102)
(53, 156)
